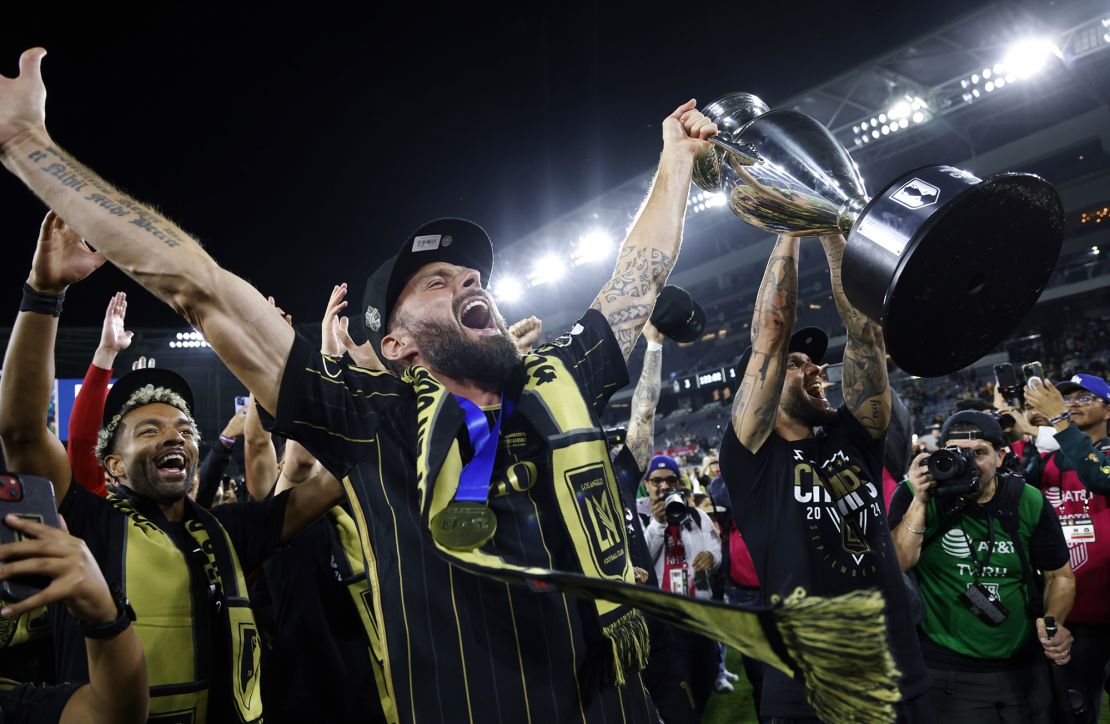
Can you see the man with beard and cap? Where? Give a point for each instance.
(181, 567)
(467, 459)
(805, 479)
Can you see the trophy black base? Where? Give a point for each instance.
(950, 264)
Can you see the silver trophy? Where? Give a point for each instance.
(947, 263)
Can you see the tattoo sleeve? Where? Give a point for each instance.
(866, 386)
(648, 254)
(641, 426)
(755, 405)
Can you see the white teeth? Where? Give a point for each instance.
(174, 458)
(471, 304)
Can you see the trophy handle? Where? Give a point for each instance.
(746, 155)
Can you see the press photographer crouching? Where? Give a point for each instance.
(992, 567)
(685, 548)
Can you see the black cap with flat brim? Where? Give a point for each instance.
(810, 341)
(677, 315)
(135, 380)
(454, 241)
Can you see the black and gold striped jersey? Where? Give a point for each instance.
(455, 646)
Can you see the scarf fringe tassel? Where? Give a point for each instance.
(631, 642)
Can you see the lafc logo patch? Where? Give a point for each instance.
(601, 517)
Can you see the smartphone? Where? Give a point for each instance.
(240, 403)
(1033, 369)
(31, 497)
(1008, 385)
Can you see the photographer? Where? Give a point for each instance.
(685, 548)
(956, 522)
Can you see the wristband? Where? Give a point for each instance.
(1065, 415)
(35, 301)
(228, 441)
(103, 631)
(654, 346)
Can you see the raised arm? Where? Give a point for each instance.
(641, 426)
(88, 406)
(866, 387)
(649, 252)
(61, 259)
(259, 455)
(756, 403)
(233, 317)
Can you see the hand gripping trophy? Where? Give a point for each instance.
(946, 262)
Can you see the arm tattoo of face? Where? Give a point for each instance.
(641, 426)
(628, 297)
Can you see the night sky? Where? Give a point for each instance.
(301, 148)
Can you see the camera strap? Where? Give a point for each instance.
(980, 567)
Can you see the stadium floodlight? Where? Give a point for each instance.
(1028, 57)
(508, 289)
(549, 268)
(593, 246)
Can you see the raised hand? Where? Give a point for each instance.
(23, 98)
(329, 327)
(525, 333)
(651, 333)
(687, 128)
(113, 336)
(61, 257)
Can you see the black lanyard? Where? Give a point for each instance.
(980, 567)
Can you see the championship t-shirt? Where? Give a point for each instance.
(798, 540)
(462, 647)
(959, 545)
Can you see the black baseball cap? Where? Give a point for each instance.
(455, 241)
(677, 315)
(810, 341)
(136, 380)
(989, 429)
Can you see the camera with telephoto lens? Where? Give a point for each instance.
(676, 508)
(955, 471)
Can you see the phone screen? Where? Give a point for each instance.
(240, 403)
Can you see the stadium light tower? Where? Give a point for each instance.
(508, 289)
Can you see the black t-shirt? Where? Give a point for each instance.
(28, 704)
(318, 666)
(253, 528)
(463, 647)
(797, 538)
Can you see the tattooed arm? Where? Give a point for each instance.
(234, 318)
(756, 403)
(648, 254)
(641, 426)
(866, 387)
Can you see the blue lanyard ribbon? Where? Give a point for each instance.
(475, 477)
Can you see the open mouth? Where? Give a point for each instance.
(816, 393)
(171, 466)
(476, 314)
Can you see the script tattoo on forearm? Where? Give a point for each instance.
(628, 297)
(757, 399)
(865, 385)
(641, 426)
(71, 174)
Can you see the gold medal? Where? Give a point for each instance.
(463, 525)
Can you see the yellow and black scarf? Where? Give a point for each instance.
(169, 602)
(835, 646)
